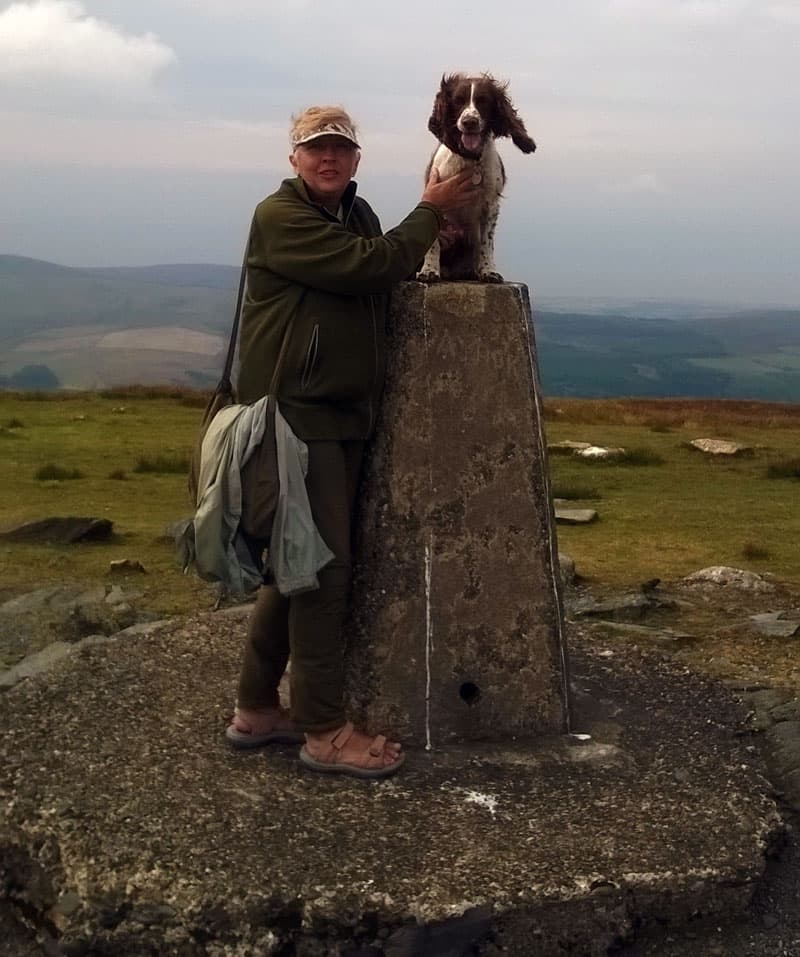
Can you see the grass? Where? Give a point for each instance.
(664, 521)
(575, 492)
(692, 510)
(754, 553)
(100, 444)
(57, 473)
(190, 397)
(786, 469)
(163, 464)
(676, 414)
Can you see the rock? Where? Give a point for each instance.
(61, 531)
(720, 447)
(576, 516)
(666, 638)
(42, 661)
(567, 565)
(788, 711)
(140, 629)
(100, 618)
(727, 576)
(599, 452)
(768, 706)
(625, 607)
(116, 596)
(53, 598)
(35, 664)
(568, 446)
(68, 903)
(126, 565)
(773, 624)
(68, 613)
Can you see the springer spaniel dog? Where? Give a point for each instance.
(469, 113)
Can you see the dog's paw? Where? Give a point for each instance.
(494, 277)
(427, 276)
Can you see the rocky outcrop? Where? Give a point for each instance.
(575, 516)
(60, 531)
(66, 614)
(720, 447)
(727, 576)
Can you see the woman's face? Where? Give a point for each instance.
(326, 165)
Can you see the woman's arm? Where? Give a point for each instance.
(296, 241)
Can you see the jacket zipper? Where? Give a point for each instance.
(374, 340)
(311, 357)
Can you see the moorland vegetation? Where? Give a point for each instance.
(665, 509)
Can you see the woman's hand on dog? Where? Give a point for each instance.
(450, 193)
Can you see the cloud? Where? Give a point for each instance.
(49, 41)
(143, 142)
(784, 12)
(680, 11)
(642, 183)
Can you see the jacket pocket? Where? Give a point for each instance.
(310, 363)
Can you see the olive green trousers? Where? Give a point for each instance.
(308, 627)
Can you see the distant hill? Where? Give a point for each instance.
(37, 295)
(89, 328)
(753, 355)
(69, 320)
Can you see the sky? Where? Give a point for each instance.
(135, 132)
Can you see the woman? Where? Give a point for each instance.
(317, 256)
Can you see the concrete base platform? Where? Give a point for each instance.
(129, 827)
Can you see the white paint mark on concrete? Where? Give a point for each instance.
(428, 642)
(489, 801)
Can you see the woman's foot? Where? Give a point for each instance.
(347, 751)
(255, 727)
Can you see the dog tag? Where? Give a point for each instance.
(477, 176)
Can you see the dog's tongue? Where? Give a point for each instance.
(471, 141)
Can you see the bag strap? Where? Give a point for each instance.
(225, 381)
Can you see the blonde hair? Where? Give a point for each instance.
(316, 118)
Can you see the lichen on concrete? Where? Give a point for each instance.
(456, 632)
(129, 827)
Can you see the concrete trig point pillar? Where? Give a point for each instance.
(456, 630)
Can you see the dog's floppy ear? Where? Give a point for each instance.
(436, 123)
(507, 122)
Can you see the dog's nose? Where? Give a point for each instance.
(470, 123)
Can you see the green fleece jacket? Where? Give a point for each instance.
(334, 277)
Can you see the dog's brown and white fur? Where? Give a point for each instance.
(469, 113)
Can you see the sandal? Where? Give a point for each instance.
(333, 763)
(240, 735)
